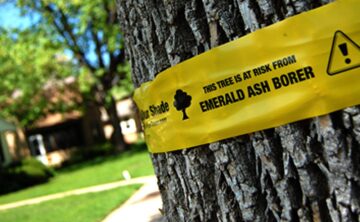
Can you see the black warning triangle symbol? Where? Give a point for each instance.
(344, 55)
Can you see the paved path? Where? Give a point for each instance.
(143, 206)
(92, 189)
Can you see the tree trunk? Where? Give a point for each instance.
(304, 171)
(93, 129)
(117, 138)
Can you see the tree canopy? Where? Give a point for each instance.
(29, 60)
(87, 34)
(90, 31)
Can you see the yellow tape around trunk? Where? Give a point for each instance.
(302, 67)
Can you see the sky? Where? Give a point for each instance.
(10, 17)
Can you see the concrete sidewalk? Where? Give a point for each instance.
(143, 206)
(92, 189)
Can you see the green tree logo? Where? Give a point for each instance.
(182, 101)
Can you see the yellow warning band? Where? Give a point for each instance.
(305, 66)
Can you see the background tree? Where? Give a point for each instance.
(304, 171)
(30, 60)
(91, 35)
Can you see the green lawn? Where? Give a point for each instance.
(94, 172)
(90, 207)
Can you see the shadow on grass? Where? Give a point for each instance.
(73, 166)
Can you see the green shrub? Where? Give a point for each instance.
(22, 174)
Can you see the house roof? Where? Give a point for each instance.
(56, 118)
(5, 126)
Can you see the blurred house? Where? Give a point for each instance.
(54, 138)
(64, 129)
(12, 143)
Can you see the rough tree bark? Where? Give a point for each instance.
(304, 171)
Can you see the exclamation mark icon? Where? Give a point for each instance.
(344, 50)
(344, 54)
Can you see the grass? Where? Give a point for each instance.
(98, 171)
(90, 207)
